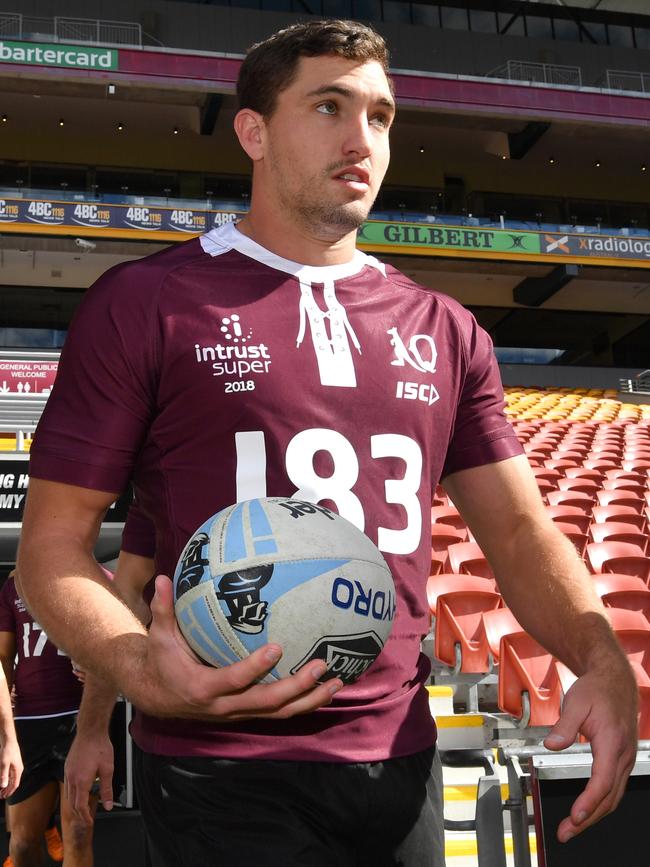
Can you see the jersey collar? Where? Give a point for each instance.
(228, 237)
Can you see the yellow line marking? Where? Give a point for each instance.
(460, 721)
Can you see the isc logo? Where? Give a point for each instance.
(425, 391)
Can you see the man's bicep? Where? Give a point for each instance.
(54, 509)
(494, 498)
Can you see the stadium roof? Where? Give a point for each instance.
(638, 7)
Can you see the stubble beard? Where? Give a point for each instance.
(329, 220)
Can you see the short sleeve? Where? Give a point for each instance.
(139, 535)
(7, 618)
(97, 415)
(481, 432)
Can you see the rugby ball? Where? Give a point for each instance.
(290, 572)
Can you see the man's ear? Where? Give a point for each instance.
(250, 130)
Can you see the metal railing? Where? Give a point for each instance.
(639, 385)
(540, 73)
(14, 25)
(618, 79)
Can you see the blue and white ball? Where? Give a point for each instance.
(290, 572)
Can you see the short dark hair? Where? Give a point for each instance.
(270, 66)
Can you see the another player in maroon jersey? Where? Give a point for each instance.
(47, 696)
(273, 358)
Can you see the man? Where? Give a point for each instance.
(47, 696)
(262, 359)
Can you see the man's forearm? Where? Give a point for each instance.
(549, 590)
(67, 593)
(97, 703)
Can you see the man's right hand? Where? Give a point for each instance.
(89, 759)
(172, 682)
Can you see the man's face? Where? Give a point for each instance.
(326, 143)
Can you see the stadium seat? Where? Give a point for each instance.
(444, 535)
(582, 473)
(571, 498)
(496, 624)
(618, 531)
(448, 515)
(526, 669)
(620, 498)
(600, 464)
(622, 557)
(458, 626)
(623, 485)
(561, 465)
(569, 515)
(451, 582)
(547, 474)
(467, 558)
(638, 478)
(584, 486)
(623, 591)
(625, 514)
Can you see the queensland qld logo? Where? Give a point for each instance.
(346, 656)
(235, 356)
(420, 354)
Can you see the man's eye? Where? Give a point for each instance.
(381, 120)
(327, 108)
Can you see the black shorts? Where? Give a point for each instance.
(44, 744)
(223, 813)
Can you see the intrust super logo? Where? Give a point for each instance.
(236, 357)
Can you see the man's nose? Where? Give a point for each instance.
(358, 137)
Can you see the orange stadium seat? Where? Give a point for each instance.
(621, 557)
(444, 535)
(496, 624)
(623, 591)
(619, 531)
(448, 515)
(467, 557)
(625, 514)
(620, 498)
(450, 582)
(458, 627)
(569, 515)
(571, 498)
(526, 668)
(626, 485)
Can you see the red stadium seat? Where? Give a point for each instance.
(444, 535)
(571, 498)
(569, 515)
(638, 478)
(618, 557)
(450, 582)
(562, 465)
(547, 474)
(620, 498)
(526, 669)
(618, 531)
(496, 624)
(623, 591)
(601, 464)
(582, 473)
(447, 515)
(625, 514)
(584, 486)
(458, 626)
(623, 485)
(467, 557)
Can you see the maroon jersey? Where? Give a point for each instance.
(138, 536)
(43, 680)
(216, 371)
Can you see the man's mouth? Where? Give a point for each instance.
(356, 176)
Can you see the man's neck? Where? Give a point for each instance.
(297, 244)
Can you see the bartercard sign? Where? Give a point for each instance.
(70, 56)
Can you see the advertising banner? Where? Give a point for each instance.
(56, 54)
(169, 223)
